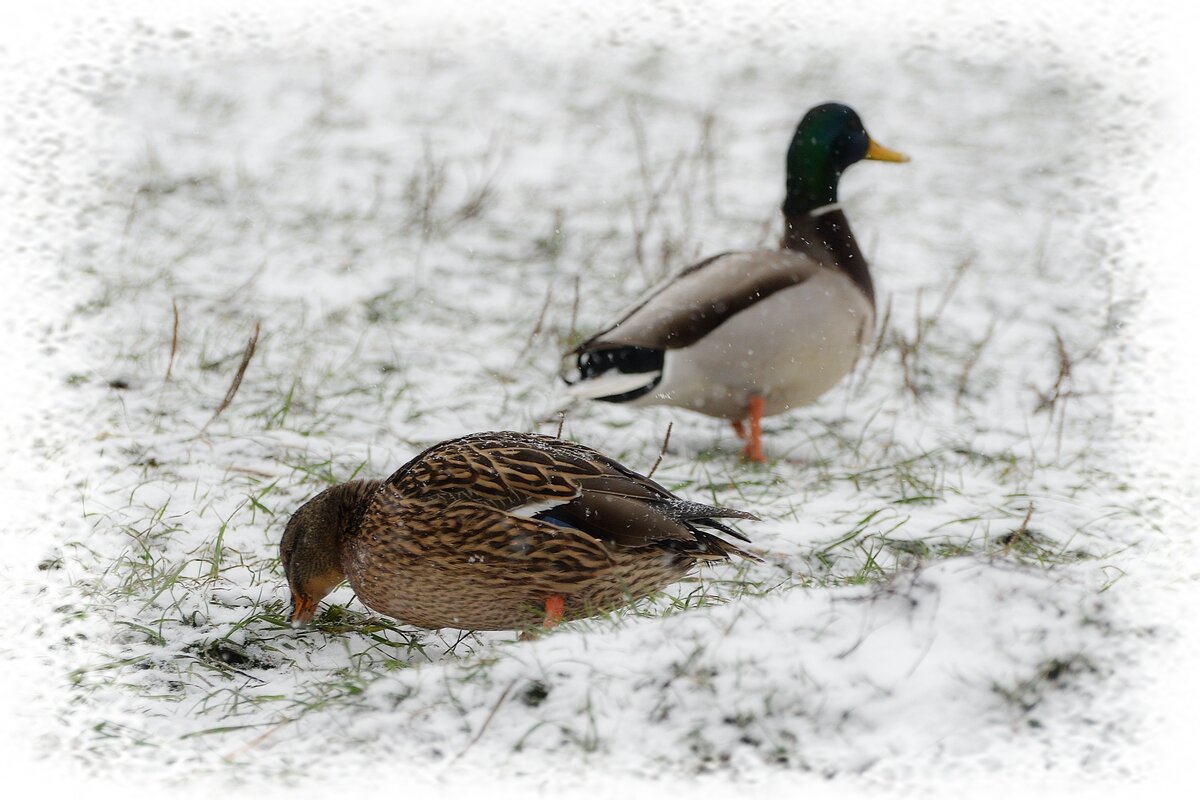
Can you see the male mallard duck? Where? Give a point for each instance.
(755, 333)
(496, 531)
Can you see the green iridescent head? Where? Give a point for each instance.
(829, 139)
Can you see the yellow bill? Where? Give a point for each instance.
(877, 152)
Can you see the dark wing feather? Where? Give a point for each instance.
(684, 309)
(621, 520)
(629, 509)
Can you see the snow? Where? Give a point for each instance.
(960, 576)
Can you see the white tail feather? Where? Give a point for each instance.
(612, 382)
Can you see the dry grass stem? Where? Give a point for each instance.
(237, 378)
(174, 339)
(971, 361)
(662, 450)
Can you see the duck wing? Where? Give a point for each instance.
(683, 309)
(544, 481)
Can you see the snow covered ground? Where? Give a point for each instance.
(418, 215)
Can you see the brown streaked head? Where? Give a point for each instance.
(310, 550)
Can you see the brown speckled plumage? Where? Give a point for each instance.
(451, 539)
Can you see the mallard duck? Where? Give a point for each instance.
(743, 335)
(499, 531)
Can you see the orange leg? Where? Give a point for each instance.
(753, 450)
(554, 611)
(739, 428)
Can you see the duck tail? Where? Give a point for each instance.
(613, 373)
(698, 516)
(613, 384)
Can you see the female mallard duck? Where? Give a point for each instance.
(755, 333)
(496, 531)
